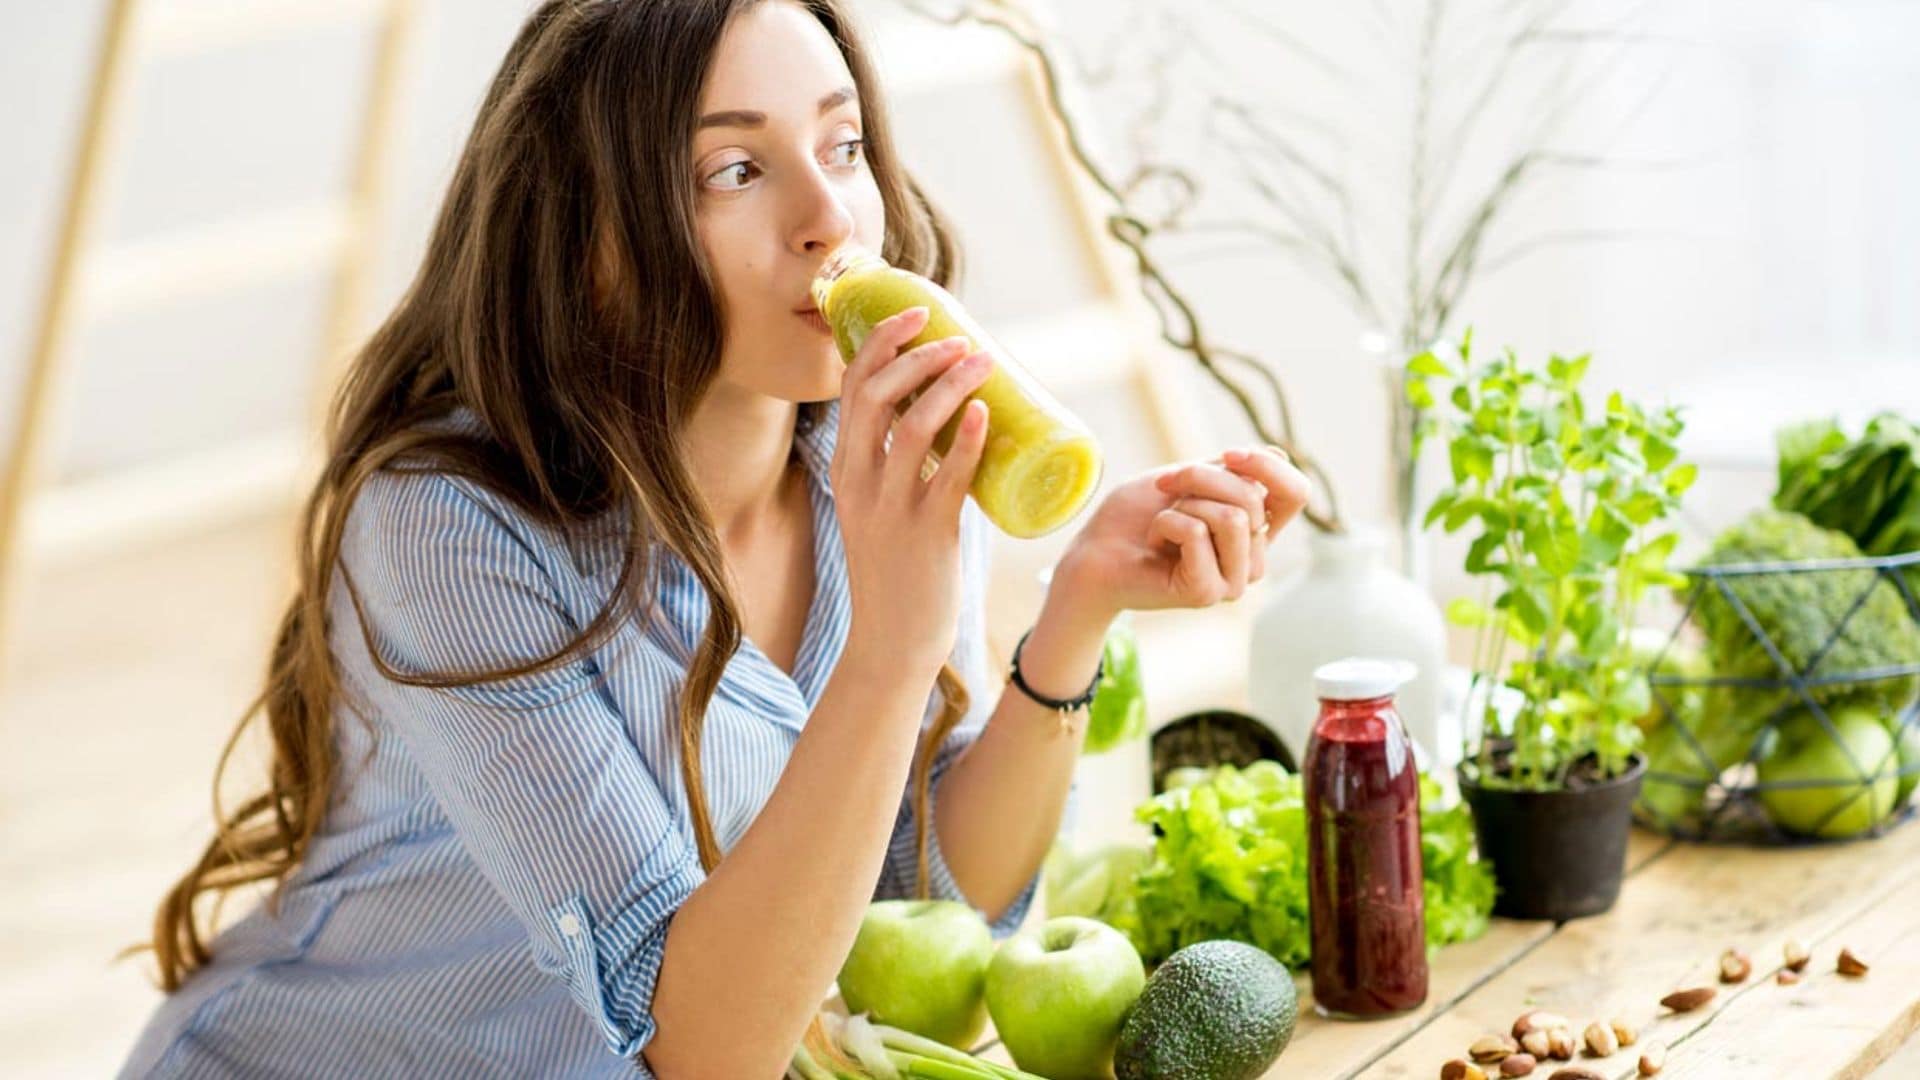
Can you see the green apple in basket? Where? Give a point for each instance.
(1906, 733)
(1837, 798)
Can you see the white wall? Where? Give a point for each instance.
(1777, 270)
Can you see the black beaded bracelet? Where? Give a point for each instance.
(1063, 707)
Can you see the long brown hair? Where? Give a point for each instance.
(578, 159)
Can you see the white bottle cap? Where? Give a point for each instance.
(1359, 678)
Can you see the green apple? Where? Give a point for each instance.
(1058, 993)
(1806, 752)
(1908, 738)
(921, 965)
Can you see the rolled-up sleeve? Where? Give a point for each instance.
(536, 774)
(899, 875)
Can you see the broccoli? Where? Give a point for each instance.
(1799, 612)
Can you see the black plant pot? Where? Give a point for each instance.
(1213, 737)
(1555, 854)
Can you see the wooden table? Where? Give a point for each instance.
(1681, 906)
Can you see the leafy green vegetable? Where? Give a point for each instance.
(1231, 862)
(1458, 887)
(1097, 884)
(1119, 710)
(1868, 488)
(1800, 613)
(853, 1048)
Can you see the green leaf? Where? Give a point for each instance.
(1608, 531)
(1428, 364)
(1659, 451)
(1470, 459)
(1569, 372)
(1419, 394)
(1462, 512)
(1480, 553)
(1653, 555)
(1464, 611)
(1634, 696)
(1599, 636)
(1529, 604)
(1642, 507)
(1682, 478)
(1556, 551)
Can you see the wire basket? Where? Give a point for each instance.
(1778, 751)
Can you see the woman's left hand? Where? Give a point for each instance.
(1187, 535)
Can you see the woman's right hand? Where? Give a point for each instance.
(902, 532)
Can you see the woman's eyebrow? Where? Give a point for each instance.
(748, 119)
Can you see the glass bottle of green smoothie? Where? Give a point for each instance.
(1041, 464)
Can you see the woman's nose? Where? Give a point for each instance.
(823, 221)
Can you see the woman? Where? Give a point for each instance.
(631, 657)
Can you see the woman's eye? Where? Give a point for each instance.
(738, 175)
(733, 177)
(850, 152)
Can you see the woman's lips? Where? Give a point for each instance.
(815, 320)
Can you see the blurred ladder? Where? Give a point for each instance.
(207, 258)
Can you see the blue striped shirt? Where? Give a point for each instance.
(490, 893)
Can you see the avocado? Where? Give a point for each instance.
(1217, 1010)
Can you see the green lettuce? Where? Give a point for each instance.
(1868, 488)
(1119, 710)
(1231, 862)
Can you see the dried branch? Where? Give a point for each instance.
(1287, 40)
(1179, 323)
(1293, 183)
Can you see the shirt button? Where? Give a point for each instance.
(569, 926)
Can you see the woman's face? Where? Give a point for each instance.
(783, 180)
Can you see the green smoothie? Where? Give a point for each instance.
(1040, 464)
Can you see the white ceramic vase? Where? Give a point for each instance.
(1349, 602)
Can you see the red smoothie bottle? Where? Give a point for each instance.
(1363, 845)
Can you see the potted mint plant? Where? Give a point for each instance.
(1568, 505)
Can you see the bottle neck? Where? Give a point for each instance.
(1347, 555)
(1355, 720)
(846, 258)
